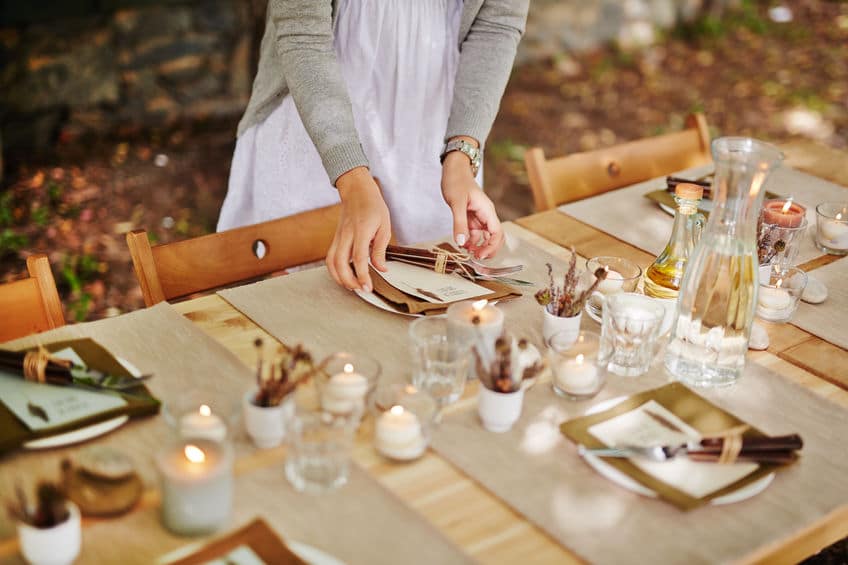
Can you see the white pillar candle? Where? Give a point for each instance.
(612, 284)
(197, 486)
(479, 322)
(835, 233)
(203, 424)
(345, 392)
(577, 376)
(398, 434)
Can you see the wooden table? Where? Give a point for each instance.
(465, 512)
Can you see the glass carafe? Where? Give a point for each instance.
(715, 307)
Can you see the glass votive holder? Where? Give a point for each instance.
(478, 322)
(779, 244)
(622, 276)
(832, 227)
(576, 369)
(629, 332)
(346, 382)
(405, 418)
(202, 414)
(441, 359)
(779, 293)
(196, 480)
(318, 455)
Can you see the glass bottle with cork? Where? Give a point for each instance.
(663, 277)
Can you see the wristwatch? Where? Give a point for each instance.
(473, 153)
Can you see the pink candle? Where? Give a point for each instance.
(784, 213)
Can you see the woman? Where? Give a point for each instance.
(375, 103)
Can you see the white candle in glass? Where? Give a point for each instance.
(774, 302)
(197, 486)
(345, 391)
(399, 435)
(478, 322)
(835, 232)
(577, 376)
(203, 424)
(612, 284)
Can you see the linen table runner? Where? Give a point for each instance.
(158, 340)
(634, 219)
(828, 319)
(538, 472)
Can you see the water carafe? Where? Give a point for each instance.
(715, 307)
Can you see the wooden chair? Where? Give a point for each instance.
(176, 270)
(30, 305)
(580, 175)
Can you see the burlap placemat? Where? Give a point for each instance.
(828, 319)
(538, 472)
(160, 341)
(639, 221)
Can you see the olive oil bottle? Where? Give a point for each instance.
(663, 277)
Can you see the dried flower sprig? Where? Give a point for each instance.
(768, 243)
(295, 367)
(499, 375)
(51, 506)
(565, 301)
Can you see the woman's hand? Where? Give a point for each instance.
(363, 232)
(475, 222)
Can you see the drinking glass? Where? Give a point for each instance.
(622, 276)
(779, 293)
(832, 227)
(318, 458)
(629, 331)
(779, 245)
(440, 359)
(577, 372)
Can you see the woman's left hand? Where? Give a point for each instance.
(476, 226)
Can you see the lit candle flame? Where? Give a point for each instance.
(779, 283)
(479, 305)
(787, 206)
(579, 359)
(396, 410)
(194, 454)
(348, 368)
(205, 410)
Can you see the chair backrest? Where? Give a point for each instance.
(580, 175)
(178, 269)
(30, 305)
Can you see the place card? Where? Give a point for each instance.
(652, 424)
(429, 285)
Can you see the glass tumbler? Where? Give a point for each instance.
(779, 293)
(832, 227)
(622, 276)
(318, 458)
(577, 372)
(440, 359)
(629, 332)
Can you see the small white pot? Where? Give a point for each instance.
(59, 545)
(499, 411)
(555, 324)
(266, 425)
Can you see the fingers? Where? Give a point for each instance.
(496, 240)
(341, 261)
(361, 246)
(459, 209)
(378, 249)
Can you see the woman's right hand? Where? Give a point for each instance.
(363, 232)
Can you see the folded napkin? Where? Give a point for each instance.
(254, 543)
(672, 414)
(24, 418)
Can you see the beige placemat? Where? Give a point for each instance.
(538, 472)
(634, 219)
(182, 357)
(828, 320)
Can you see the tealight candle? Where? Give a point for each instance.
(197, 486)
(399, 435)
(832, 234)
(785, 213)
(612, 284)
(203, 424)
(345, 391)
(574, 365)
(777, 300)
(479, 322)
(577, 376)
(774, 298)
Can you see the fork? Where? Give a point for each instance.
(427, 258)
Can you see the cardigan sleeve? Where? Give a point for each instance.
(485, 62)
(304, 42)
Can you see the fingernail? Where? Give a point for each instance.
(461, 239)
(366, 287)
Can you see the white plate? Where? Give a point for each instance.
(375, 300)
(611, 473)
(88, 432)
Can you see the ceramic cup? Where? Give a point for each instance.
(266, 425)
(552, 325)
(498, 410)
(59, 545)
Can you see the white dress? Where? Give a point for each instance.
(399, 61)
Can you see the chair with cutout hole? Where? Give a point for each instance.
(177, 270)
(30, 305)
(580, 175)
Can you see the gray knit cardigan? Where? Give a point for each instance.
(297, 57)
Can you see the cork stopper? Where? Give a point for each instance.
(689, 191)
